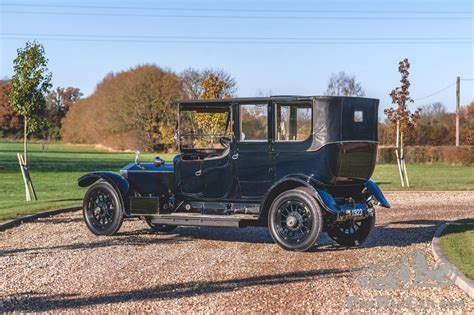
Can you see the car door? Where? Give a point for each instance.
(188, 177)
(251, 155)
(217, 175)
(292, 138)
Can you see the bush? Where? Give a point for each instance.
(463, 155)
(128, 110)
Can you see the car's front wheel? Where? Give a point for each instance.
(102, 209)
(295, 220)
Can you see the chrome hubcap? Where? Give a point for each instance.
(291, 222)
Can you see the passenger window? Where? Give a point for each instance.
(253, 122)
(293, 122)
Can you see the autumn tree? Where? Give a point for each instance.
(342, 84)
(10, 121)
(435, 126)
(192, 80)
(401, 117)
(467, 124)
(30, 83)
(81, 123)
(212, 124)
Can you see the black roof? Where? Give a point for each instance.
(223, 101)
(289, 98)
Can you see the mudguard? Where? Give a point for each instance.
(375, 191)
(325, 199)
(116, 180)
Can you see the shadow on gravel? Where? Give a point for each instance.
(50, 220)
(399, 233)
(392, 234)
(247, 235)
(106, 242)
(34, 302)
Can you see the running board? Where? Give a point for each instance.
(194, 219)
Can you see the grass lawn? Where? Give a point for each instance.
(426, 177)
(55, 171)
(457, 244)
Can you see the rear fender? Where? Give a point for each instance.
(290, 182)
(375, 191)
(116, 180)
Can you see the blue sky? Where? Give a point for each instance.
(288, 68)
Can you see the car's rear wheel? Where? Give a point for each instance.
(163, 228)
(102, 209)
(295, 220)
(352, 233)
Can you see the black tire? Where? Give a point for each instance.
(102, 209)
(295, 220)
(163, 228)
(352, 233)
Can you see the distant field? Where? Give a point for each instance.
(55, 171)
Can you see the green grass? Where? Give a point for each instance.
(426, 177)
(457, 244)
(55, 171)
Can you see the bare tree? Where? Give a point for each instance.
(192, 80)
(262, 93)
(343, 84)
(434, 110)
(59, 101)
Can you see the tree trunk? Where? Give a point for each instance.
(398, 154)
(401, 145)
(402, 155)
(23, 175)
(25, 142)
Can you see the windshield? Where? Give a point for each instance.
(202, 130)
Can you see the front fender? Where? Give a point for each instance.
(375, 191)
(116, 180)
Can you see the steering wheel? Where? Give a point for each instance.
(225, 141)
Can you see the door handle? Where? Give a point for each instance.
(198, 173)
(235, 156)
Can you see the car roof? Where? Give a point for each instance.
(228, 101)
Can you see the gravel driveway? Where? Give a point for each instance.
(56, 264)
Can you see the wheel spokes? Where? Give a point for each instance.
(349, 228)
(293, 221)
(101, 209)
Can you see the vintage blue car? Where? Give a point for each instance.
(300, 165)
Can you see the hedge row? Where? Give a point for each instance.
(463, 155)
